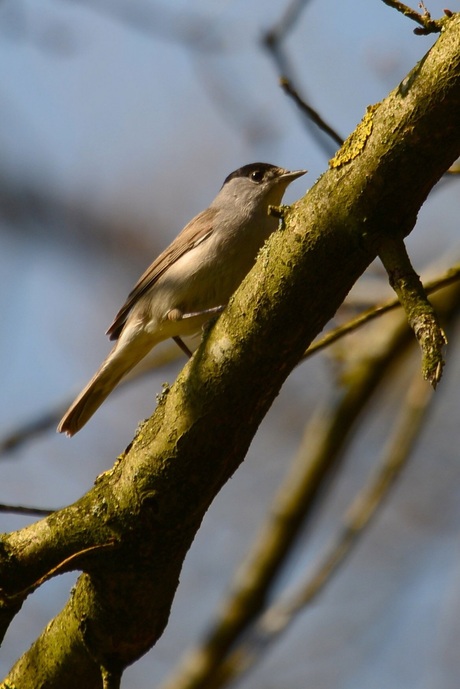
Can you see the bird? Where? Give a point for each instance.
(191, 281)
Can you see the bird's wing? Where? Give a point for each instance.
(195, 232)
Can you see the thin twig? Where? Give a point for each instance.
(428, 24)
(450, 277)
(32, 428)
(66, 565)
(273, 41)
(286, 23)
(30, 511)
(308, 111)
(420, 314)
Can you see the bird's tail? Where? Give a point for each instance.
(118, 363)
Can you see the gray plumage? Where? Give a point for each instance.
(192, 279)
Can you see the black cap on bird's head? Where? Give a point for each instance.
(264, 172)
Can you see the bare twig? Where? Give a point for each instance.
(286, 23)
(308, 111)
(428, 24)
(420, 314)
(65, 565)
(451, 276)
(273, 41)
(29, 511)
(30, 429)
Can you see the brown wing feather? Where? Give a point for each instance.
(193, 233)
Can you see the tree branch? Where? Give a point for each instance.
(241, 631)
(420, 314)
(428, 24)
(281, 614)
(318, 459)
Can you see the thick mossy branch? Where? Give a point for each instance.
(420, 314)
(152, 503)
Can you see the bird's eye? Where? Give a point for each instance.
(256, 176)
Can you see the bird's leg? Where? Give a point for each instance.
(180, 343)
(176, 315)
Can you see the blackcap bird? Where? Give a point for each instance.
(190, 281)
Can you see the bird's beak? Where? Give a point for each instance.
(291, 176)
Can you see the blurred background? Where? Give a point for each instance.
(119, 122)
